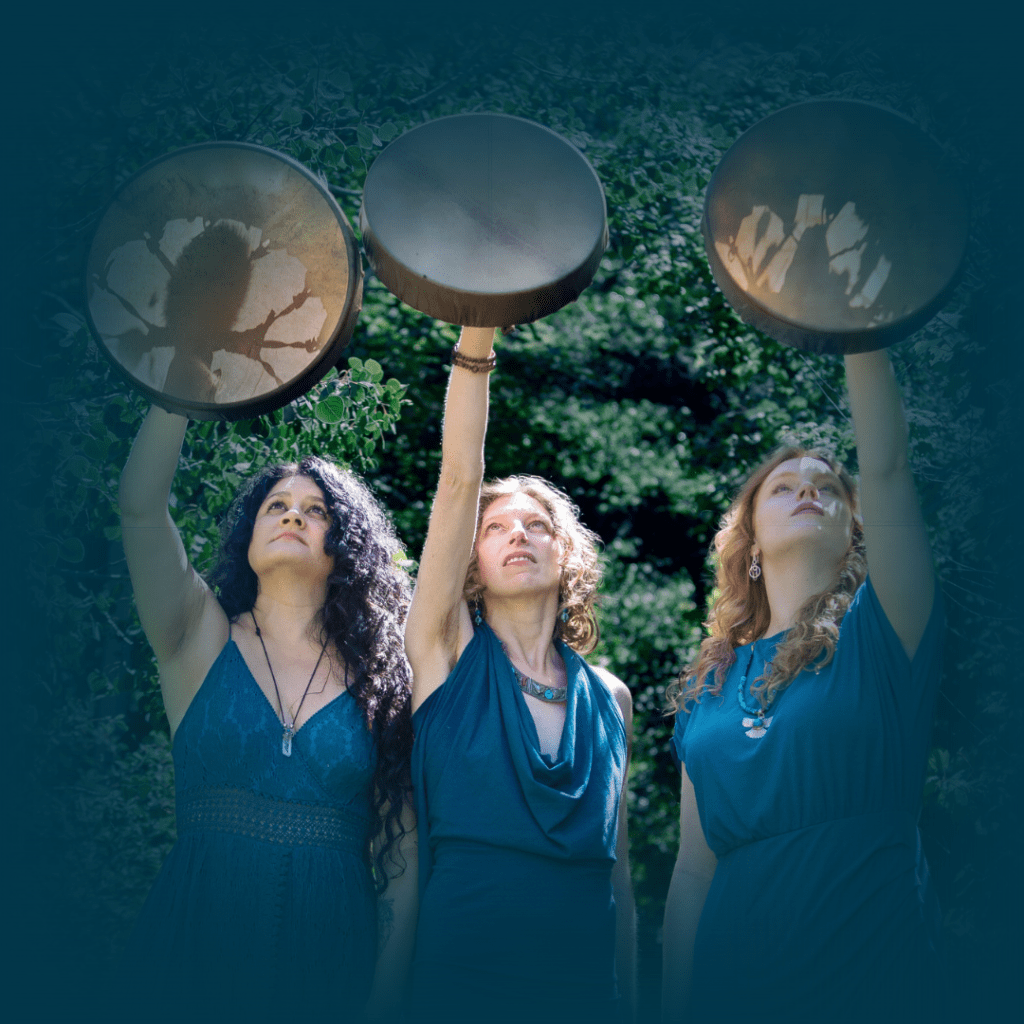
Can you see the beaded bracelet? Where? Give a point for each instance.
(473, 364)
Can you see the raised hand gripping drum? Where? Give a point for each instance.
(223, 281)
(483, 220)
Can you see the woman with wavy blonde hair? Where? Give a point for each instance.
(521, 749)
(800, 892)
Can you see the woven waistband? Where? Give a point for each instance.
(242, 812)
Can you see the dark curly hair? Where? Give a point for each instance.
(368, 596)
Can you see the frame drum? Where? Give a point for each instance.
(483, 220)
(223, 281)
(835, 226)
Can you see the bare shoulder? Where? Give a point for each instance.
(619, 690)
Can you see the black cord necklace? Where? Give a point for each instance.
(288, 721)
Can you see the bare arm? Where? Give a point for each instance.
(622, 881)
(899, 558)
(438, 627)
(622, 888)
(182, 619)
(397, 913)
(691, 879)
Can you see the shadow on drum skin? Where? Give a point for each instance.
(835, 226)
(223, 281)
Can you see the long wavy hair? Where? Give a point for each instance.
(363, 616)
(741, 614)
(575, 624)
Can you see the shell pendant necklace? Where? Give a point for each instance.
(287, 720)
(756, 725)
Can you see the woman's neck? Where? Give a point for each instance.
(288, 617)
(526, 627)
(789, 584)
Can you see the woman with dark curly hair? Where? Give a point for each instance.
(287, 694)
(521, 750)
(800, 892)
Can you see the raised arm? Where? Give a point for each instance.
(438, 627)
(622, 881)
(182, 619)
(899, 558)
(691, 879)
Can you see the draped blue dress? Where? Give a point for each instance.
(821, 907)
(517, 917)
(265, 906)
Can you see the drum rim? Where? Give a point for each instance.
(792, 332)
(545, 298)
(314, 372)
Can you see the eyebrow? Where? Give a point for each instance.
(818, 474)
(535, 514)
(286, 493)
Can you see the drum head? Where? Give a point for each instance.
(483, 220)
(835, 226)
(223, 281)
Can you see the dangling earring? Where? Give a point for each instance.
(754, 572)
(476, 615)
(564, 615)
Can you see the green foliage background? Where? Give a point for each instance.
(648, 400)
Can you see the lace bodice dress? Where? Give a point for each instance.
(265, 906)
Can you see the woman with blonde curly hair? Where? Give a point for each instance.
(521, 748)
(800, 892)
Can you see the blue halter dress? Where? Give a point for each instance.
(821, 908)
(265, 906)
(517, 917)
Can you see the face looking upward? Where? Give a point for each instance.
(291, 527)
(517, 550)
(802, 504)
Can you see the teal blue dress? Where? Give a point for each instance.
(517, 917)
(821, 907)
(265, 906)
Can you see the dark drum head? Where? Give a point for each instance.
(223, 281)
(835, 226)
(483, 220)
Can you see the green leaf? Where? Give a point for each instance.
(387, 131)
(330, 410)
(112, 532)
(365, 136)
(72, 549)
(340, 79)
(374, 369)
(291, 116)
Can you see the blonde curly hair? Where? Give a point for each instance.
(575, 624)
(741, 614)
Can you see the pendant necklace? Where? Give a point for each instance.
(756, 725)
(287, 720)
(548, 694)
